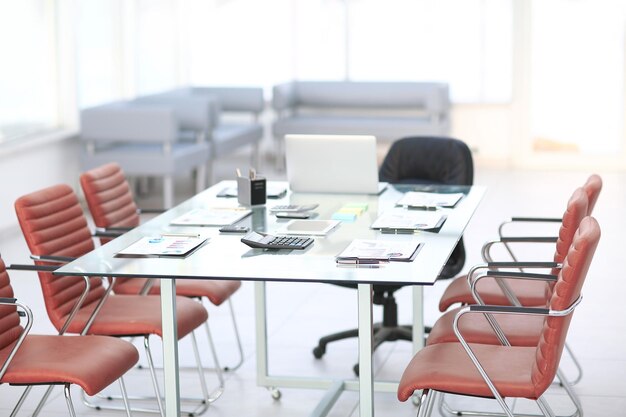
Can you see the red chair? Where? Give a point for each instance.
(528, 293)
(55, 227)
(92, 362)
(500, 371)
(113, 209)
(518, 330)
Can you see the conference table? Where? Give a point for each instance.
(225, 257)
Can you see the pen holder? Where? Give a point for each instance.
(251, 192)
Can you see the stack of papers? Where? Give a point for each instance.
(416, 199)
(179, 245)
(400, 219)
(272, 190)
(364, 251)
(212, 216)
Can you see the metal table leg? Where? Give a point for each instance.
(170, 347)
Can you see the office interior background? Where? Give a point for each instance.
(537, 87)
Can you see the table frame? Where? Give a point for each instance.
(365, 384)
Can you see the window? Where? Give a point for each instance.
(249, 42)
(98, 72)
(577, 99)
(28, 82)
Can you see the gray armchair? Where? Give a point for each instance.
(143, 138)
(234, 117)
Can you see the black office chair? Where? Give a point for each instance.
(414, 160)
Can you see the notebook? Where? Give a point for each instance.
(332, 164)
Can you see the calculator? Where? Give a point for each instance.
(264, 241)
(294, 208)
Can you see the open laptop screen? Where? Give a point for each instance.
(332, 163)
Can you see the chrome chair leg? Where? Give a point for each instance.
(237, 338)
(68, 400)
(577, 364)
(43, 400)
(124, 396)
(20, 401)
(155, 382)
(218, 369)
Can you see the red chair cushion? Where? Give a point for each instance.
(216, 291)
(519, 330)
(131, 315)
(446, 367)
(530, 293)
(93, 362)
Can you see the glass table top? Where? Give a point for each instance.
(224, 256)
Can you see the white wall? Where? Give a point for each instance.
(32, 165)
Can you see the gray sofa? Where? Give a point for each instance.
(172, 132)
(387, 110)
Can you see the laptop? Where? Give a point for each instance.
(332, 164)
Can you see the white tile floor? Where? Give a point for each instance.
(299, 314)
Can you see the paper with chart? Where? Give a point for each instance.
(382, 250)
(211, 216)
(418, 199)
(402, 219)
(164, 245)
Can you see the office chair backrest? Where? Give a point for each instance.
(592, 187)
(431, 160)
(53, 223)
(428, 160)
(109, 197)
(566, 292)
(10, 328)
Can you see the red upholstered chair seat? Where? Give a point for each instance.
(92, 362)
(519, 330)
(446, 367)
(134, 315)
(216, 291)
(529, 293)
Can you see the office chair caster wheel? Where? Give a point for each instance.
(319, 351)
(275, 393)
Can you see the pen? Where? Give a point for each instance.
(361, 261)
(180, 235)
(398, 231)
(424, 208)
(252, 173)
(238, 172)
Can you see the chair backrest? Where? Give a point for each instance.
(109, 197)
(10, 328)
(53, 223)
(428, 160)
(577, 209)
(566, 291)
(592, 187)
(431, 160)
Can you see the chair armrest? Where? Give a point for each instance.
(234, 99)
(128, 122)
(38, 268)
(513, 220)
(23, 311)
(505, 241)
(150, 211)
(284, 96)
(108, 233)
(510, 295)
(53, 258)
(196, 113)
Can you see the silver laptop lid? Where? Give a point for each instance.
(332, 163)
